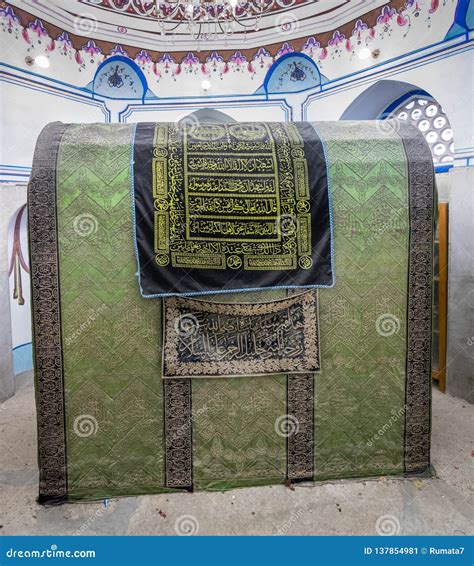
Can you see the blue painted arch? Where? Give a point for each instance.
(120, 78)
(293, 72)
(463, 19)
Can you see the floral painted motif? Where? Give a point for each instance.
(91, 48)
(311, 46)
(336, 39)
(238, 58)
(386, 15)
(214, 58)
(284, 49)
(38, 28)
(142, 58)
(9, 19)
(190, 60)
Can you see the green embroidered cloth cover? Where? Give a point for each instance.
(116, 416)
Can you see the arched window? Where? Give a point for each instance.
(429, 117)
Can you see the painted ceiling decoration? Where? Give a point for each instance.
(176, 8)
(111, 22)
(345, 41)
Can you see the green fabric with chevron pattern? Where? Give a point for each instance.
(112, 336)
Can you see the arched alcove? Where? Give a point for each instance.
(293, 72)
(463, 19)
(405, 101)
(120, 78)
(371, 103)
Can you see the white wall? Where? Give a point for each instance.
(27, 108)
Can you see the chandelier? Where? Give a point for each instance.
(209, 19)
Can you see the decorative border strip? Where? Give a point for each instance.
(46, 324)
(420, 281)
(178, 434)
(373, 26)
(300, 441)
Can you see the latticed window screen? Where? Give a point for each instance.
(430, 118)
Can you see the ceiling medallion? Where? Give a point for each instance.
(213, 19)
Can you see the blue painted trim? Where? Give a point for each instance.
(400, 100)
(14, 173)
(461, 12)
(86, 91)
(130, 63)
(22, 358)
(164, 105)
(21, 346)
(15, 166)
(460, 25)
(443, 168)
(223, 291)
(81, 97)
(277, 63)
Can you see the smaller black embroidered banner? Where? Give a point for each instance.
(228, 207)
(209, 339)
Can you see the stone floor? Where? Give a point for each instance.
(441, 505)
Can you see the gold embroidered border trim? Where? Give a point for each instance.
(46, 323)
(300, 440)
(418, 378)
(210, 339)
(178, 434)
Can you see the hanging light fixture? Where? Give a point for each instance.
(210, 19)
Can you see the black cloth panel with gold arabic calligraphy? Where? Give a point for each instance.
(210, 339)
(230, 207)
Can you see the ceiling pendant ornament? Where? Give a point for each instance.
(211, 19)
